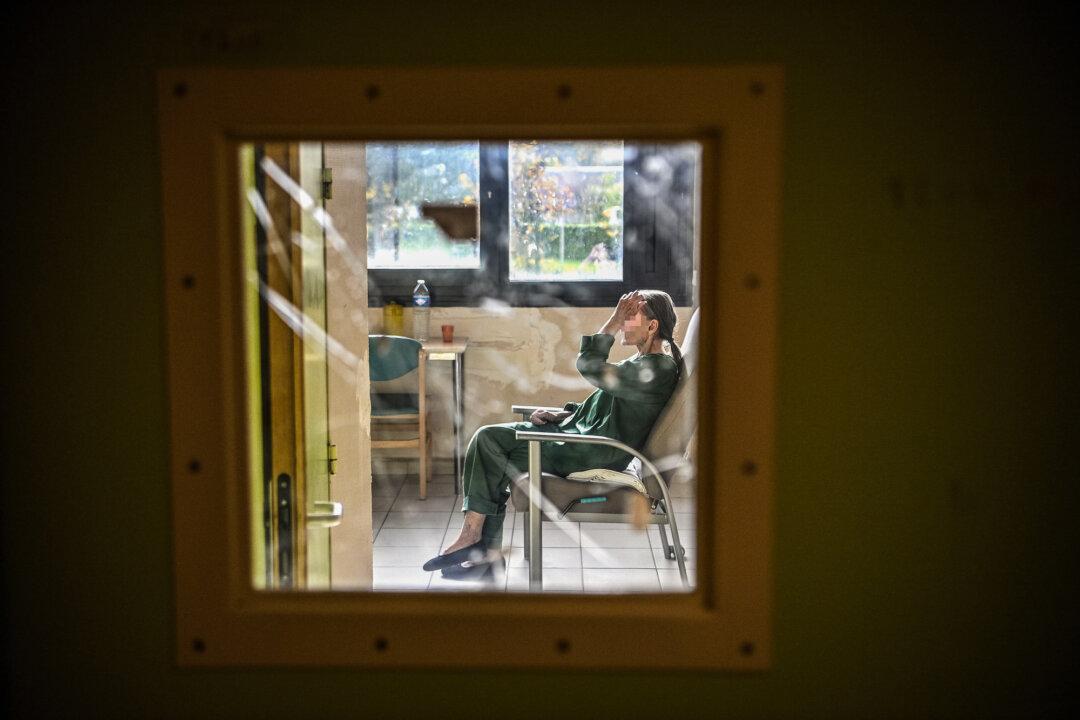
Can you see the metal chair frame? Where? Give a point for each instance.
(538, 506)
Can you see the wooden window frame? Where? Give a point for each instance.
(735, 112)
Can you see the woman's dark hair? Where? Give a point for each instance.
(659, 307)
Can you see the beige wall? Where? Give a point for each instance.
(350, 405)
(524, 356)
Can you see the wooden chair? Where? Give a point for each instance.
(399, 398)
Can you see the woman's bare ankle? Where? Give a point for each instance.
(471, 531)
(461, 542)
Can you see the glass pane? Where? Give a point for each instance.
(370, 453)
(402, 177)
(566, 211)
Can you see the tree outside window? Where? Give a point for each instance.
(401, 178)
(566, 211)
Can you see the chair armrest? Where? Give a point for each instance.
(528, 410)
(588, 440)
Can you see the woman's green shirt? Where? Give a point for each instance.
(629, 397)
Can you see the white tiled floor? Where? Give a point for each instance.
(578, 557)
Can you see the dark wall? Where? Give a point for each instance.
(926, 490)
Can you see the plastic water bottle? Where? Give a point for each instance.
(421, 299)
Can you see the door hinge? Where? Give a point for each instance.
(331, 457)
(327, 183)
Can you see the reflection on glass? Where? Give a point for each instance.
(379, 463)
(566, 211)
(401, 178)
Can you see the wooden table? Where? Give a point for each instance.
(436, 349)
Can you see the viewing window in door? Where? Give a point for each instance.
(334, 509)
(301, 538)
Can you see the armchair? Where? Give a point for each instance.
(606, 496)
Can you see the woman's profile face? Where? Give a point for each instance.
(635, 329)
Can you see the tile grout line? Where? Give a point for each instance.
(652, 556)
(581, 558)
(388, 511)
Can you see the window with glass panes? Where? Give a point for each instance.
(561, 222)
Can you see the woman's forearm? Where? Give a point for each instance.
(611, 327)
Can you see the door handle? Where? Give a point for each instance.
(327, 514)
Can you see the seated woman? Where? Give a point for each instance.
(629, 397)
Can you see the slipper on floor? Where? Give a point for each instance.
(474, 571)
(472, 552)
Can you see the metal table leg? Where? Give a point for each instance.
(536, 540)
(459, 416)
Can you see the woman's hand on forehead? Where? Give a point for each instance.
(630, 304)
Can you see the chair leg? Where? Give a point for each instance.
(425, 465)
(680, 556)
(669, 551)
